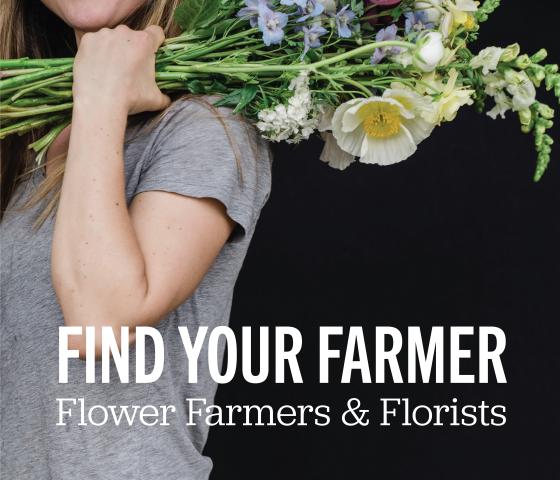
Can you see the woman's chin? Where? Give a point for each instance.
(90, 16)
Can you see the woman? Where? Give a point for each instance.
(153, 218)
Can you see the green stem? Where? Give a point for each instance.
(46, 140)
(358, 85)
(39, 85)
(27, 125)
(30, 112)
(18, 71)
(56, 93)
(34, 63)
(20, 80)
(259, 67)
(206, 49)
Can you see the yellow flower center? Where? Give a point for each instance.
(470, 23)
(380, 119)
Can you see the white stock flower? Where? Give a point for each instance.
(295, 121)
(503, 105)
(381, 130)
(521, 88)
(495, 82)
(488, 59)
(511, 91)
(430, 51)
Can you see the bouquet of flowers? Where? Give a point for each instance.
(373, 77)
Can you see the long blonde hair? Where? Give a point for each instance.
(29, 29)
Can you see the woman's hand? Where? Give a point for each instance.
(118, 66)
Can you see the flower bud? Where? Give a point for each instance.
(537, 74)
(539, 56)
(523, 62)
(540, 129)
(525, 117)
(511, 53)
(430, 51)
(545, 111)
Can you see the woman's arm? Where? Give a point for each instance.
(111, 265)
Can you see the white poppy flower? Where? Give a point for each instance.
(421, 105)
(380, 130)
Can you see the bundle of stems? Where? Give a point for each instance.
(38, 92)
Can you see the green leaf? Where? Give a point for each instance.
(218, 87)
(239, 98)
(196, 87)
(397, 12)
(219, 28)
(192, 15)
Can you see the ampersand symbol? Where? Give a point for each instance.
(353, 406)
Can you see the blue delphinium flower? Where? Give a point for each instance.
(271, 24)
(344, 19)
(417, 21)
(311, 37)
(311, 9)
(251, 11)
(386, 34)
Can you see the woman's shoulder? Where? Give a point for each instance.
(200, 150)
(197, 121)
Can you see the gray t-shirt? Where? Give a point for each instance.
(187, 152)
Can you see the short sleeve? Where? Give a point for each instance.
(202, 151)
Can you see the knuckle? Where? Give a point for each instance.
(157, 29)
(145, 40)
(143, 36)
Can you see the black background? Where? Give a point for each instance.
(457, 235)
